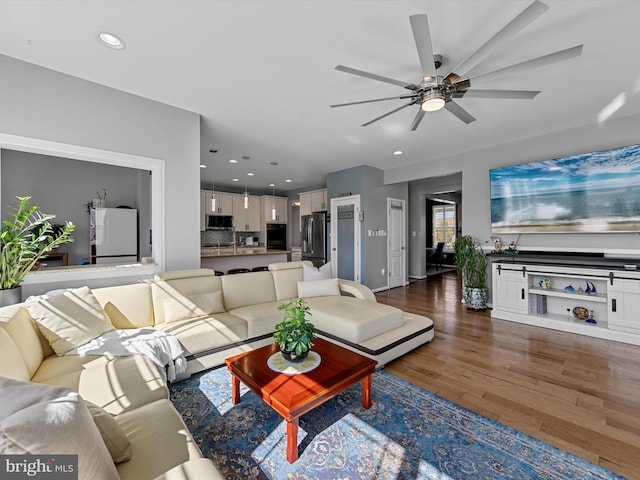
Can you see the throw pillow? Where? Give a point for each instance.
(319, 288)
(42, 419)
(112, 434)
(70, 319)
(313, 273)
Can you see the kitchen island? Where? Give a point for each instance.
(224, 258)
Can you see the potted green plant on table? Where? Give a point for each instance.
(25, 239)
(294, 334)
(471, 263)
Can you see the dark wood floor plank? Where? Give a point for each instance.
(578, 393)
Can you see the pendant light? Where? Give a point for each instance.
(246, 196)
(273, 202)
(213, 194)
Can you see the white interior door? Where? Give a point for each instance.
(345, 237)
(396, 237)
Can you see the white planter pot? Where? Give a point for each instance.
(477, 298)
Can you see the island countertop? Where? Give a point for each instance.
(213, 252)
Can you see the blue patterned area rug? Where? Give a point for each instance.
(408, 433)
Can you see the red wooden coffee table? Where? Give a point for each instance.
(294, 395)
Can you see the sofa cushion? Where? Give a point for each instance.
(116, 384)
(159, 441)
(70, 319)
(261, 318)
(247, 289)
(39, 419)
(353, 319)
(309, 272)
(318, 288)
(112, 435)
(286, 282)
(205, 333)
(12, 364)
(128, 306)
(33, 347)
(178, 298)
(199, 469)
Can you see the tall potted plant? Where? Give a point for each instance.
(471, 263)
(24, 240)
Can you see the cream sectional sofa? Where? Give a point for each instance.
(213, 318)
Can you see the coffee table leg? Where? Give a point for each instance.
(292, 440)
(235, 389)
(366, 392)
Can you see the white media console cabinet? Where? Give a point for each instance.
(560, 295)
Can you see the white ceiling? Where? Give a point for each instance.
(261, 73)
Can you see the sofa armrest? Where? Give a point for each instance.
(357, 290)
(193, 470)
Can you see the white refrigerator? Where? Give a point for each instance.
(114, 235)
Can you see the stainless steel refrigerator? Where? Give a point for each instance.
(114, 235)
(313, 234)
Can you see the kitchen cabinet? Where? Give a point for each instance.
(624, 305)
(281, 204)
(313, 201)
(223, 201)
(319, 200)
(246, 219)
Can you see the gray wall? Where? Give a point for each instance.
(41, 103)
(475, 166)
(63, 187)
(368, 182)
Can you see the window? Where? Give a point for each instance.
(444, 225)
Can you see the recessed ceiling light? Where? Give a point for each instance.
(203, 166)
(274, 163)
(249, 174)
(288, 180)
(398, 152)
(272, 184)
(233, 160)
(236, 179)
(246, 157)
(111, 41)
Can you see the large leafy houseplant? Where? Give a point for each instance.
(294, 334)
(471, 263)
(25, 239)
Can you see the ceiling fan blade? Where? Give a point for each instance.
(371, 101)
(387, 114)
(380, 78)
(416, 121)
(530, 64)
(525, 17)
(459, 112)
(422, 37)
(514, 94)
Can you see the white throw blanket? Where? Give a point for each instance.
(162, 348)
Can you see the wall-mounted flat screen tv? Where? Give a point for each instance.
(592, 192)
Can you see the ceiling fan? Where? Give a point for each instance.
(439, 91)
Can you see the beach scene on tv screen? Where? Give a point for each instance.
(592, 192)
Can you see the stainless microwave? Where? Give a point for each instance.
(219, 222)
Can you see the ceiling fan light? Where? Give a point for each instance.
(433, 102)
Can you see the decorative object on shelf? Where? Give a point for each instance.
(545, 283)
(497, 243)
(590, 318)
(24, 241)
(581, 313)
(471, 262)
(294, 334)
(569, 289)
(591, 288)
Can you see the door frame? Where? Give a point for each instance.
(403, 240)
(335, 203)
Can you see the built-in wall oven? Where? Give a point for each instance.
(276, 236)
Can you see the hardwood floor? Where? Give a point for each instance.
(578, 393)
